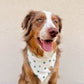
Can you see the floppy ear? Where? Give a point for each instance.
(60, 28)
(58, 41)
(27, 20)
(60, 24)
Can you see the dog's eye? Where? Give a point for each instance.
(55, 22)
(39, 20)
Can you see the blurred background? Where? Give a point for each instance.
(12, 13)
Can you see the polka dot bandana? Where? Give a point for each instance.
(40, 66)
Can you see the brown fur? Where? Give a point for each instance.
(32, 28)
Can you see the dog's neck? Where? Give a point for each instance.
(46, 55)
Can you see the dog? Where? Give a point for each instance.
(42, 34)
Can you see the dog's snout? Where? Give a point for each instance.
(52, 32)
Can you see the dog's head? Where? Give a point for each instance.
(42, 31)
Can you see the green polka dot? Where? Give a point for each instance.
(44, 62)
(53, 60)
(34, 66)
(39, 65)
(29, 62)
(51, 66)
(49, 60)
(44, 68)
(32, 55)
(48, 73)
(36, 75)
(43, 76)
(34, 60)
(37, 70)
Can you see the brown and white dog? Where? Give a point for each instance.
(42, 37)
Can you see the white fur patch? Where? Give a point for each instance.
(47, 25)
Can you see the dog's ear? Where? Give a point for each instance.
(27, 20)
(58, 41)
(60, 28)
(60, 24)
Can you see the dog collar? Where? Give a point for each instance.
(40, 66)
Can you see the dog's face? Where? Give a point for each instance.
(42, 31)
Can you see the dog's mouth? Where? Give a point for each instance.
(47, 45)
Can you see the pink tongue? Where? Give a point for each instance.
(47, 46)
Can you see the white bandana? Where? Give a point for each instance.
(40, 66)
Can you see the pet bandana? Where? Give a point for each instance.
(40, 66)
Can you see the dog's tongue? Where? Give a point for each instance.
(47, 46)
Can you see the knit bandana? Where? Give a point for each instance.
(40, 66)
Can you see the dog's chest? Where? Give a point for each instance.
(40, 66)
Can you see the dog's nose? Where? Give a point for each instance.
(52, 32)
